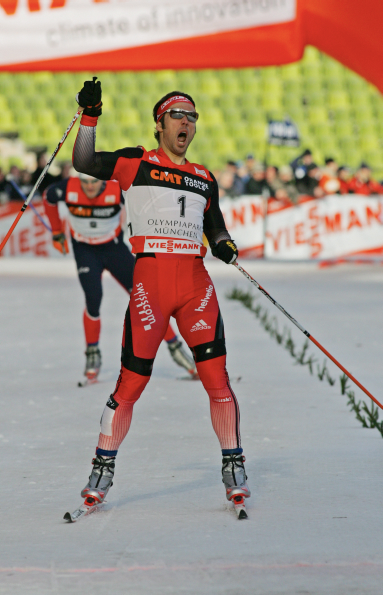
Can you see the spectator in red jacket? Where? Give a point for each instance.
(362, 182)
(344, 175)
(329, 181)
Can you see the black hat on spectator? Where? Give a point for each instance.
(306, 152)
(329, 160)
(364, 165)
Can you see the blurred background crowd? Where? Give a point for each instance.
(302, 177)
(21, 179)
(287, 183)
(338, 116)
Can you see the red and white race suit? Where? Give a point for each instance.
(169, 207)
(91, 220)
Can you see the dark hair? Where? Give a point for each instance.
(160, 102)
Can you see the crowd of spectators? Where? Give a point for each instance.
(288, 183)
(25, 180)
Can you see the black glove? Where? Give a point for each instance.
(225, 250)
(90, 98)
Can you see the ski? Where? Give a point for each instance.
(87, 382)
(190, 377)
(90, 505)
(240, 507)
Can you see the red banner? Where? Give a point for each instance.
(124, 35)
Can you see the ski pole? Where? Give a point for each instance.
(273, 301)
(40, 179)
(21, 193)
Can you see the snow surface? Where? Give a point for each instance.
(315, 516)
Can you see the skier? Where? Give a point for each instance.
(171, 202)
(95, 210)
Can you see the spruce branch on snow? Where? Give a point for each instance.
(284, 338)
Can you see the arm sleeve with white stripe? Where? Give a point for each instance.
(101, 164)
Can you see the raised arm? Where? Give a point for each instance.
(100, 165)
(85, 159)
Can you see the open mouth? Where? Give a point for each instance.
(182, 136)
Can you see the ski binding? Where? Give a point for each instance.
(240, 507)
(90, 505)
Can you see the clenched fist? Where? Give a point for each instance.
(90, 98)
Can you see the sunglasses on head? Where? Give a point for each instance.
(178, 114)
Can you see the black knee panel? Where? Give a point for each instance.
(212, 349)
(139, 365)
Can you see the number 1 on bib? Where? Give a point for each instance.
(181, 201)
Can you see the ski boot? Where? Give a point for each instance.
(100, 479)
(234, 477)
(182, 358)
(93, 362)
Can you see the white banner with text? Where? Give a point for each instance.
(331, 227)
(36, 30)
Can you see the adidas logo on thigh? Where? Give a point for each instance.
(199, 326)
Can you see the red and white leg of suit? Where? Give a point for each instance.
(163, 286)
